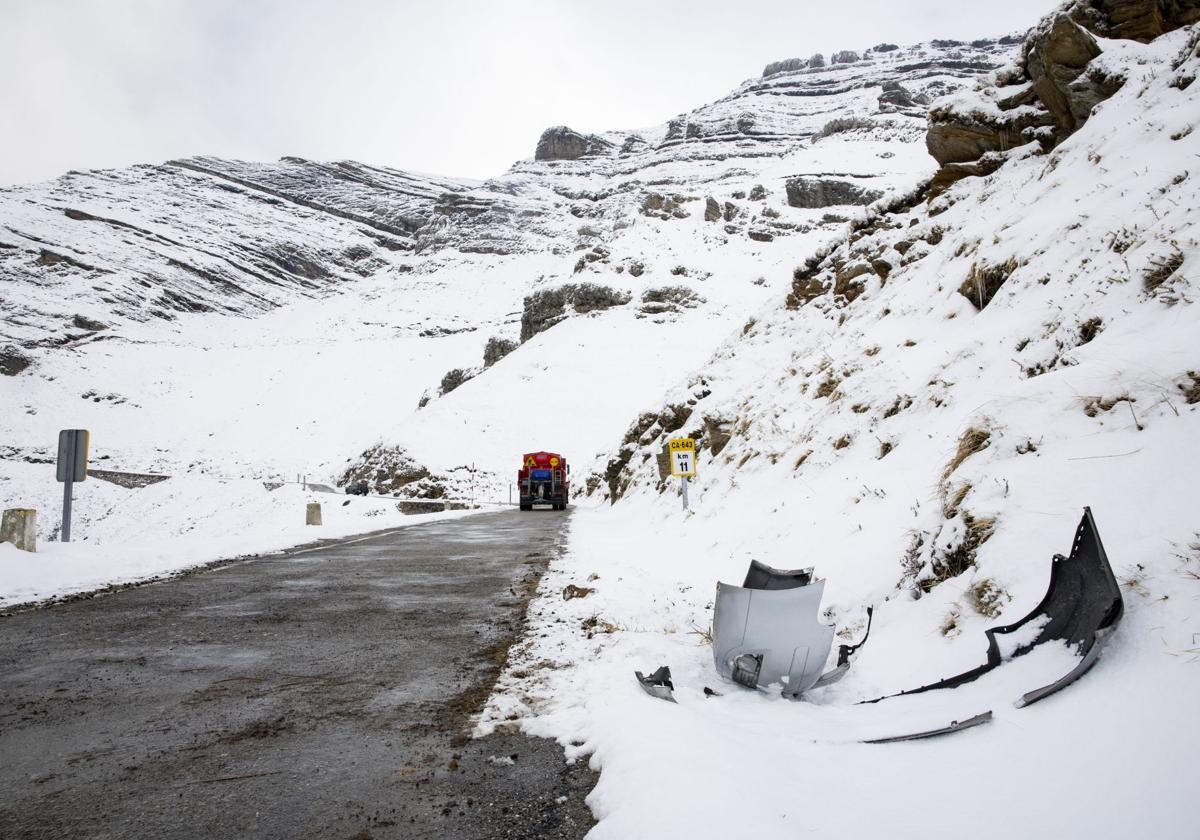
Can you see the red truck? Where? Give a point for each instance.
(544, 478)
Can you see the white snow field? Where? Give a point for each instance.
(879, 439)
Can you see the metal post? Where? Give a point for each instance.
(683, 482)
(68, 486)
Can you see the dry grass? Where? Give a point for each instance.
(987, 597)
(984, 281)
(885, 446)
(962, 557)
(828, 386)
(842, 442)
(1160, 270)
(1089, 329)
(1191, 391)
(901, 403)
(974, 439)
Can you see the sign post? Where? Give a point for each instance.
(72, 467)
(683, 463)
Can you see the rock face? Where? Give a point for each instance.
(562, 143)
(496, 349)
(813, 193)
(546, 308)
(712, 210)
(1054, 58)
(1056, 90)
(454, 378)
(385, 469)
(13, 361)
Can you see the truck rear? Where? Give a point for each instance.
(544, 478)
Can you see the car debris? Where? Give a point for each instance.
(1082, 606)
(767, 631)
(658, 684)
(954, 726)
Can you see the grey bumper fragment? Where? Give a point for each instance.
(955, 726)
(762, 636)
(658, 684)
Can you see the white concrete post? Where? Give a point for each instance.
(313, 515)
(19, 527)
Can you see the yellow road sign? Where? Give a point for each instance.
(529, 462)
(554, 462)
(683, 456)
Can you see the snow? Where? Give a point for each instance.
(122, 536)
(1071, 421)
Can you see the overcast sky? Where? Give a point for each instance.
(458, 88)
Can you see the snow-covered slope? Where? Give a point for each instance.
(922, 419)
(270, 320)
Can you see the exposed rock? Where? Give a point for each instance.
(960, 138)
(845, 57)
(1055, 55)
(13, 360)
(663, 206)
(712, 210)
(385, 468)
(807, 284)
(1138, 20)
(669, 299)
(546, 308)
(952, 172)
(895, 95)
(812, 192)
(717, 433)
(758, 192)
(84, 323)
(454, 378)
(562, 143)
(636, 268)
(731, 211)
(496, 349)
(761, 236)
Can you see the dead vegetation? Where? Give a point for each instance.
(1089, 329)
(984, 281)
(1160, 270)
(952, 563)
(901, 402)
(842, 442)
(987, 597)
(885, 446)
(1191, 391)
(974, 439)
(1092, 406)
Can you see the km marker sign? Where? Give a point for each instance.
(683, 462)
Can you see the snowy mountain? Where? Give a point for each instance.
(377, 283)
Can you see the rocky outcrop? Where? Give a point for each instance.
(496, 349)
(815, 192)
(455, 378)
(385, 469)
(13, 360)
(546, 308)
(1057, 88)
(562, 143)
(664, 206)
(669, 299)
(1138, 20)
(1055, 56)
(712, 210)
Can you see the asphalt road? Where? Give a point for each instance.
(322, 693)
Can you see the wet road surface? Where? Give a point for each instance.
(321, 693)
